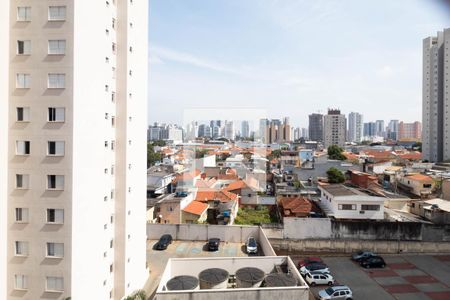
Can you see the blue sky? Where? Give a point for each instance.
(290, 57)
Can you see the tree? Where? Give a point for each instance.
(335, 152)
(152, 156)
(159, 143)
(335, 176)
(137, 295)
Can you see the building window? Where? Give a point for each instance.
(24, 47)
(21, 215)
(24, 13)
(347, 206)
(55, 182)
(23, 81)
(55, 216)
(55, 284)
(113, 48)
(113, 145)
(111, 268)
(56, 81)
(56, 13)
(22, 181)
(113, 23)
(20, 282)
(55, 148)
(57, 47)
(113, 121)
(56, 114)
(23, 114)
(370, 207)
(22, 147)
(113, 97)
(20, 248)
(55, 250)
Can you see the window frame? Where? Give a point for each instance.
(60, 50)
(56, 143)
(53, 247)
(25, 42)
(58, 221)
(59, 84)
(25, 114)
(27, 14)
(26, 80)
(56, 188)
(57, 19)
(56, 289)
(53, 112)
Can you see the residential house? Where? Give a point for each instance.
(217, 212)
(342, 202)
(159, 180)
(416, 184)
(363, 180)
(169, 208)
(195, 212)
(434, 210)
(295, 206)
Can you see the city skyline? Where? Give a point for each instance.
(283, 66)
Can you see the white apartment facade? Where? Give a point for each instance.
(355, 127)
(436, 97)
(334, 128)
(73, 160)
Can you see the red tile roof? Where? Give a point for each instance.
(235, 185)
(295, 205)
(419, 177)
(209, 195)
(196, 208)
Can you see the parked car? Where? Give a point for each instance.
(373, 262)
(213, 244)
(309, 260)
(164, 241)
(341, 292)
(314, 267)
(360, 255)
(252, 246)
(316, 278)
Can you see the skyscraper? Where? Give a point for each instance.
(436, 97)
(229, 130)
(316, 127)
(379, 128)
(393, 130)
(410, 131)
(335, 127)
(73, 148)
(245, 129)
(370, 129)
(355, 127)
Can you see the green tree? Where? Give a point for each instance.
(152, 156)
(137, 295)
(335, 152)
(335, 176)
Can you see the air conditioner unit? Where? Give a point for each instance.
(362, 211)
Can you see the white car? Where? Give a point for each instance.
(317, 278)
(252, 245)
(317, 267)
(339, 292)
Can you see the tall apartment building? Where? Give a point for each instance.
(245, 129)
(410, 131)
(370, 129)
(392, 130)
(73, 148)
(436, 97)
(316, 127)
(335, 128)
(229, 131)
(355, 127)
(379, 128)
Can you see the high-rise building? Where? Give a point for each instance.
(245, 129)
(379, 128)
(370, 129)
(73, 148)
(286, 130)
(355, 127)
(304, 133)
(316, 127)
(335, 128)
(229, 130)
(410, 131)
(263, 131)
(393, 130)
(436, 97)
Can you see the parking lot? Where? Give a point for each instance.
(157, 260)
(412, 277)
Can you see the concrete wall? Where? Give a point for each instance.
(446, 190)
(301, 228)
(323, 228)
(349, 246)
(198, 232)
(239, 294)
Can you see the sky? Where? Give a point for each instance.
(289, 57)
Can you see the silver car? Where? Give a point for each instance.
(338, 292)
(252, 246)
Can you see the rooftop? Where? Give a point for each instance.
(419, 177)
(340, 190)
(196, 208)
